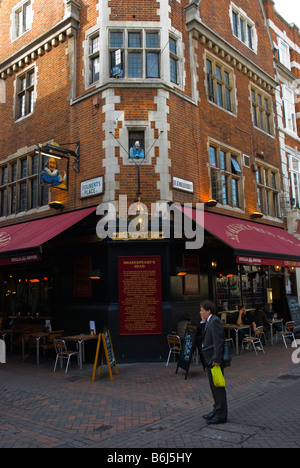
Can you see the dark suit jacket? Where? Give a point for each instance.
(213, 335)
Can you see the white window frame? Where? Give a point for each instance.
(28, 93)
(284, 56)
(289, 110)
(19, 12)
(243, 26)
(295, 174)
(125, 50)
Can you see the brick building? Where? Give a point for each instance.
(194, 83)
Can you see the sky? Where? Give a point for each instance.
(289, 10)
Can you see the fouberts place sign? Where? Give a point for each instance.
(91, 187)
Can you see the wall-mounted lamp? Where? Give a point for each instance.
(95, 274)
(180, 271)
(256, 215)
(214, 265)
(211, 203)
(277, 268)
(57, 152)
(56, 205)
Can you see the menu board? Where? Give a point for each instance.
(294, 309)
(188, 347)
(140, 300)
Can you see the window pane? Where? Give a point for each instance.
(152, 40)
(23, 197)
(4, 179)
(34, 193)
(219, 95)
(235, 193)
(34, 164)
(117, 64)
(14, 172)
(152, 65)
(172, 45)
(134, 40)
(235, 23)
(95, 69)
(228, 99)
(134, 65)
(213, 156)
(116, 40)
(27, 16)
(3, 203)
(173, 70)
(23, 168)
(94, 45)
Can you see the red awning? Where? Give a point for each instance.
(252, 242)
(20, 243)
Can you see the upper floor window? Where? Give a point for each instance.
(226, 176)
(134, 54)
(25, 89)
(267, 180)
(19, 186)
(243, 28)
(22, 18)
(94, 58)
(289, 111)
(294, 169)
(262, 110)
(174, 60)
(284, 53)
(220, 84)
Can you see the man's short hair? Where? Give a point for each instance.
(208, 305)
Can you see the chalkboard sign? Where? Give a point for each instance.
(294, 309)
(110, 353)
(104, 348)
(188, 347)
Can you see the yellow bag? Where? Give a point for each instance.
(218, 377)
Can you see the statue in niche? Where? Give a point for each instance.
(136, 152)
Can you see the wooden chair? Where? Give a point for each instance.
(288, 332)
(62, 353)
(174, 343)
(254, 340)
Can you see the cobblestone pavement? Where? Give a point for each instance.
(148, 406)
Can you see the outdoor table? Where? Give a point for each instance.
(271, 323)
(38, 336)
(80, 339)
(236, 328)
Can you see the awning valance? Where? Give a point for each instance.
(252, 242)
(22, 242)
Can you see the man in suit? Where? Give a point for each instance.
(213, 339)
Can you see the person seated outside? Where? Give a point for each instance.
(246, 318)
(272, 315)
(261, 318)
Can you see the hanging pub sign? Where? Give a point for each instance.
(54, 167)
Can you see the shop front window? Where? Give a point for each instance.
(28, 295)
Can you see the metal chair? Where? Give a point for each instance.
(174, 343)
(288, 332)
(254, 340)
(62, 353)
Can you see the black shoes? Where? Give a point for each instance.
(216, 420)
(211, 418)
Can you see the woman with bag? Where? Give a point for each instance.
(212, 354)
